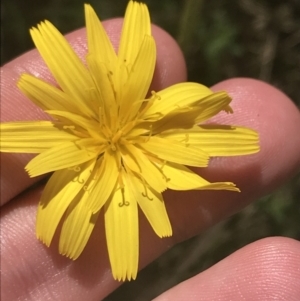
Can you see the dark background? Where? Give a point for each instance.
(220, 39)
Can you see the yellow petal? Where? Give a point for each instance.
(175, 97)
(182, 178)
(68, 70)
(189, 116)
(59, 192)
(178, 119)
(77, 227)
(32, 136)
(176, 152)
(104, 182)
(98, 42)
(212, 105)
(218, 140)
(139, 79)
(103, 81)
(136, 25)
(79, 123)
(65, 155)
(153, 206)
(150, 173)
(46, 96)
(102, 62)
(140, 129)
(121, 228)
(128, 160)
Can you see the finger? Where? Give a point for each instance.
(190, 212)
(268, 269)
(276, 118)
(264, 108)
(170, 68)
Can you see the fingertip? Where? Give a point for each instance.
(268, 110)
(268, 269)
(259, 106)
(170, 67)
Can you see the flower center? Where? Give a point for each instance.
(115, 139)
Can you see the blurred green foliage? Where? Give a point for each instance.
(220, 39)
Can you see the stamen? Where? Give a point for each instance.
(162, 172)
(148, 103)
(155, 95)
(117, 136)
(85, 188)
(145, 193)
(163, 165)
(127, 67)
(186, 139)
(110, 75)
(120, 179)
(128, 127)
(124, 202)
(80, 181)
(150, 133)
(158, 115)
(106, 132)
(77, 168)
(95, 174)
(77, 179)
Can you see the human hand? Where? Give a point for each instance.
(261, 271)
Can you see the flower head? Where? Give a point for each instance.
(112, 147)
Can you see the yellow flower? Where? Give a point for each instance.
(110, 147)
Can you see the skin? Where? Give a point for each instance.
(268, 269)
